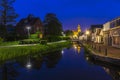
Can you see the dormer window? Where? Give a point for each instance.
(26, 21)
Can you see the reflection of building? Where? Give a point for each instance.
(76, 32)
(77, 47)
(113, 73)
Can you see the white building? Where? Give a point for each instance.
(106, 36)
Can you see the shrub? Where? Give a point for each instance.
(1, 40)
(65, 38)
(44, 42)
(53, 38)
(29, 41)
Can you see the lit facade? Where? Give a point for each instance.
(76, 32)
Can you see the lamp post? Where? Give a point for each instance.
(63, 34)
(28, 29)
(87, 33)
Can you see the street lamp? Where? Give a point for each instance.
(87, 34)
(28, 28)
(63, 34)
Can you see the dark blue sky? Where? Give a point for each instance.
(71, 12)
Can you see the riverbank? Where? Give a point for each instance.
(7, 53)
(99, 52)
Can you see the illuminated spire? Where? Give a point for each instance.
(79, 29)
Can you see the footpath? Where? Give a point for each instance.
(30, 44)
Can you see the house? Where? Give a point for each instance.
(114, 32)
(34, 24)
(94, 32)
(111, 32)
(98, 35)
(106, 36)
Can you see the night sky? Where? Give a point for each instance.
(71, 12)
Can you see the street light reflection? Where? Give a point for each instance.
(62, 51)
(29, 65)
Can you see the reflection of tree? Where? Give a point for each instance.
(112, 70)
(37, 61)
(52, 59)
(9, 72)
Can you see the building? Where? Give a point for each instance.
(111, 32)
(77, 32)
(95, 32)
(34, 24)
(98, 35)
(114, 32)
(106, 36)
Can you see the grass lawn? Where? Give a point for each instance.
(9, 43)
(7, 53)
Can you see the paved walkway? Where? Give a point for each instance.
(30, 44)
(108, 51)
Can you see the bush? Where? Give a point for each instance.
(44, 42)
(65, 38)
(29, 41)
(1, 40)
(53, 38)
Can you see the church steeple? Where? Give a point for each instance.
(78, 28)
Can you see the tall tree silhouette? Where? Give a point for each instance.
(52, 26)
(7, 12)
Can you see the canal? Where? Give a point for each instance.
(67, 64)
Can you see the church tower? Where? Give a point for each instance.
(78, 28)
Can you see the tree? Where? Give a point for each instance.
(7, 12)
(52, 26)
(68, 32)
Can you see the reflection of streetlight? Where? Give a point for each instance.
(28, 65)
(62, 51)
(28, 28)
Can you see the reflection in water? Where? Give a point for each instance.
(9, 71)
(52, 59)
(53, 66)
(29, 64)
(76, 47)
(62, 51)
(112, 70)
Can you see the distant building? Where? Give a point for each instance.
(34, 23)
(93, 27)
(76, 32)
(98, 35)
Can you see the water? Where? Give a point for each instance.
(67, 64)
